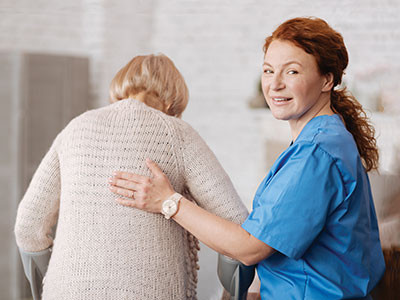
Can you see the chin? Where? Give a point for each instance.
(278, 116)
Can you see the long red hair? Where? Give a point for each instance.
(317, 38)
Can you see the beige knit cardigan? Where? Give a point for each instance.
(103, 250)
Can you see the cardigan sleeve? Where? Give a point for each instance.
(207, 181)
(38, 210)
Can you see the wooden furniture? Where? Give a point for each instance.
(389, 286)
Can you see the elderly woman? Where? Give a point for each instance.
(103, 250)
(313, 230)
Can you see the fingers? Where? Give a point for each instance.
(126, 202)
(122, 192)
(154, 168)
(126, 184)
(130, 177)
(147, 193)
(129, 185)
(134, 200)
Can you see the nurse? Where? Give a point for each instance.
(313, 231)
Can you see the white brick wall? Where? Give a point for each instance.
(217, 46)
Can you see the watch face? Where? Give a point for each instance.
(169, 207)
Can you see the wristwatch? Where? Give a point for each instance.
(170, 205)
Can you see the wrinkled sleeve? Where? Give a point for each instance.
(207, 181)
(38, 210)
(293, 207)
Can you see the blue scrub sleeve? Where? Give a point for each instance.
(291, 209)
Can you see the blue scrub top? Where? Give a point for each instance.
(315, 209)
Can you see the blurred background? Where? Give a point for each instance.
(57, 59)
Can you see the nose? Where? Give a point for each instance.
(277, 82)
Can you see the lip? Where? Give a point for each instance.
(280, 99)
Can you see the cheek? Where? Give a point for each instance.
(298, 88)
(264, 86)
(308, 87)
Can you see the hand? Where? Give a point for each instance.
(143, 192)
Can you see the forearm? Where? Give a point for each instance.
(35, 219)
(221, 235)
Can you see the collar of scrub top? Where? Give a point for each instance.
(312, 123)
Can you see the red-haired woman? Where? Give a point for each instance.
(313, 230)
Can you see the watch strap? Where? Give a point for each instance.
(176, 197)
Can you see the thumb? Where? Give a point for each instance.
(154, 168)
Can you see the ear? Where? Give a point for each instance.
(328, 83)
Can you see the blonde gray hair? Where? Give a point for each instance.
(157, 78)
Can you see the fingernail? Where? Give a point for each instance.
(115, 173)
(110, 180)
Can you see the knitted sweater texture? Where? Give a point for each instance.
(103, 250)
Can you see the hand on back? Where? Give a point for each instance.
(142, 192)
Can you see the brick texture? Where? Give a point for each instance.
(218, 47)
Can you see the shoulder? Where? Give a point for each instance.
(185, 128)
(86, 117)
(126, 113)
(333, 138)
(329, 135)
(304, 157)
(316, 153)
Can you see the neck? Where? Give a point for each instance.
(140, 97)
(296, 126)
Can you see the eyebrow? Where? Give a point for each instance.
(285, 64)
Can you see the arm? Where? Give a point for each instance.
(223, 236)
(38, 210)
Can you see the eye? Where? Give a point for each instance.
(292, 72)
(268, 71)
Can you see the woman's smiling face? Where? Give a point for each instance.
(292, 84)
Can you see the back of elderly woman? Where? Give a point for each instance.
(103, 250)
